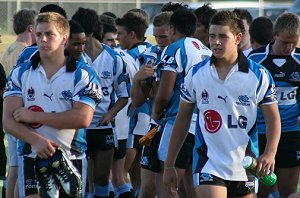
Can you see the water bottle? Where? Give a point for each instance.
(250, 164)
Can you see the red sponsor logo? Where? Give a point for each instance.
(39, 109)
(196, 45)
(213, 121)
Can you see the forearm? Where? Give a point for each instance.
(19, 130)
(75, 118)
(273, 128)
(158, 108)
(118, 106)
(138, 93)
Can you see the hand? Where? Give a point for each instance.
(144, 73)
(265, 164)
(23, 115)
(170, 182)
(44, 147)
(105, 120)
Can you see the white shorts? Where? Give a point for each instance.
(122, 124)
(139, 124)
(12, 150)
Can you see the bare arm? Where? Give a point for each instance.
(164, 93)
(139, 91)
(78, 117)
(118, 106)
(42, 145)
(273, 126)
(179, 133)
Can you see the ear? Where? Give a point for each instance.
(30, 28)
(132, 34)
(238, 38)
(65, 39)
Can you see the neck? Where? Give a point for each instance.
(24, 38)
(224, 65)
(135, 41)
(93, 47)
(246, 46)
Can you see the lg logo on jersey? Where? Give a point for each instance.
(213, 121)
(166, 60)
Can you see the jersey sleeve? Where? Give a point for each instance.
(187, 92)
(13, 85)
(266, 92)
(170, 60)
(121, 81)
(87, 87)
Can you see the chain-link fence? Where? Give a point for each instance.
(8, 8)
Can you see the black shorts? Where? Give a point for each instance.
(234, 188)
(120, 151)
(133, 142)
(288, 152)
(3, 158)
(99, 139)
(149, 159)
(185, 155)
(184, 159)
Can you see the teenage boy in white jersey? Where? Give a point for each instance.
(46, 116)
(131, 29)
(110, 70)
(226, 88)
(176, 60)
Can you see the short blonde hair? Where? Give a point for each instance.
(58, 20)
(288, 23)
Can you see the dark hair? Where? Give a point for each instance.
(228, 18)
(171, 7)
(105, 19)
(109, 28)
(75, 28)
(142, 14)
(89, 20)
(111, 14)
(132, 22)
(244, 14)
(22, 19)
(54, 8)
(261, 30)
(184, 20)
(204, 14)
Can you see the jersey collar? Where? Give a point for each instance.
(242, 62)
(70, 63)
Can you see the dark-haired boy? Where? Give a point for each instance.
(226, 122)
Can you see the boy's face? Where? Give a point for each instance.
(110, 39)
(222, 41)
(123, 37)
(284, 44)
(48, 39)
(161, 35)
(76, 45)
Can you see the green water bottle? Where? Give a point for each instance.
(250, 164)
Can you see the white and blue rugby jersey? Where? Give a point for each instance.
(26, 54)
(73, 82)
(285, 71)
(111, 73)
(179, 57)
(226, 128)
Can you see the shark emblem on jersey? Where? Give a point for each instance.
(298, 155)
(67, 95)
(204, 97)
(9, 86)
(205, 177)
(106, 75)
(295, 76)
(30, 94)
(243, 100)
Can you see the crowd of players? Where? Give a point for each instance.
(92, 109)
